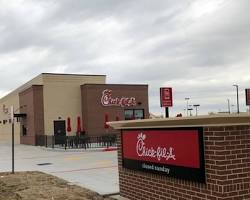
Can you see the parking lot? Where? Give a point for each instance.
(94, 169)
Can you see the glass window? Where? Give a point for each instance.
(134, 114)
(138, 114)
(129, 114)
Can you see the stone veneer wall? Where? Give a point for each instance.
(227, 164)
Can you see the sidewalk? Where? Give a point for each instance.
(95, 169)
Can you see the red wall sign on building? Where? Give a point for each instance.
(166, 97)
(247, 96)
(173, 152)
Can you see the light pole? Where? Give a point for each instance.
(196, 108)
(237, 92)
(187, 98)
(190, 111)
(232, 108)
(228, 105)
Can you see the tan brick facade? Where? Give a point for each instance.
(227, 164)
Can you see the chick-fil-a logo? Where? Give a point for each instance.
(158, 152)
(108, 100)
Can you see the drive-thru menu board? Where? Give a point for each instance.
(166, 97)
(247, 97)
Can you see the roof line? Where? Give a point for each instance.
(73, 74)
(118, 84)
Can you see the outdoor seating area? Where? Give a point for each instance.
(76, 142)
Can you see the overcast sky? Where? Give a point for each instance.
(200, 48)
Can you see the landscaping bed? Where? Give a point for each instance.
(41, 186)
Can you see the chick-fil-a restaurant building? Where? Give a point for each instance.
(64, 104)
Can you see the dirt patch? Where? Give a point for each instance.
(41, 186)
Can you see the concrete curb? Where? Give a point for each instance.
(118, 197)
(110, 149)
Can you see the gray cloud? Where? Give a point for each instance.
(200, 48)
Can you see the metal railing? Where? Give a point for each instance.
(75, 142)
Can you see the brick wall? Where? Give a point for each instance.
(227, 163)
(32, 98)
(93, 112)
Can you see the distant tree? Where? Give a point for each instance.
(211, 113)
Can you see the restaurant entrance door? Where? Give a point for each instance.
(59, 131)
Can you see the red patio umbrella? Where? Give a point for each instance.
(106, 119)
(68, 125)
(79, 129)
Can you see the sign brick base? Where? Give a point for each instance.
(227, 166)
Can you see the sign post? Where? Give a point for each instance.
(166, 112)
(248, 98)
(13, 138)
(166, 99)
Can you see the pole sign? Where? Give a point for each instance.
(166, 97)
(247, 97)
(13, 138)
(176, 153)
